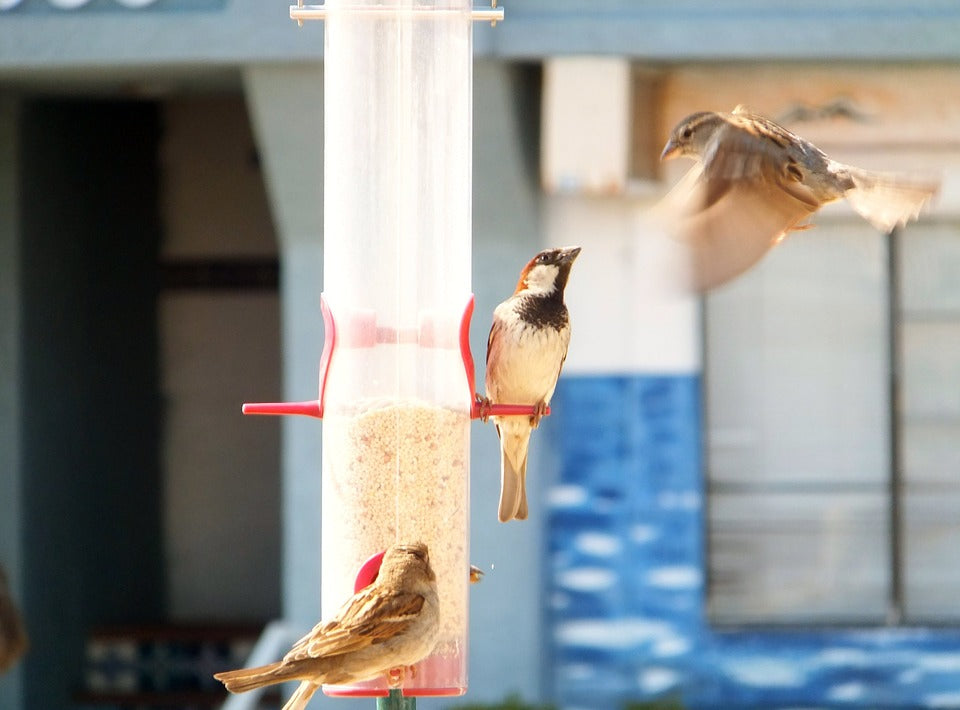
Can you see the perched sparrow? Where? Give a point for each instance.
(525, 351)
(476, 574)
(755, 181)
(13, 638)
(389, 624)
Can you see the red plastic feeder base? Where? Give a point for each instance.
(436, 677)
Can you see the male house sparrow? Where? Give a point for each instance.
(525, 352)
(392, 623)
(755, 181)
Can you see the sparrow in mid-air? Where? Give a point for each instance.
(525, 352)
(392, 623)
(755, 181)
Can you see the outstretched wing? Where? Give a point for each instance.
(731, 208)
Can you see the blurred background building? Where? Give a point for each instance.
(746, 500)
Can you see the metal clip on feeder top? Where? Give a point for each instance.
(367, 334)
(301, 12)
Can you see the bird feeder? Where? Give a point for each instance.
(397, 227)
(396, 375)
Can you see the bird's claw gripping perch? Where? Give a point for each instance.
(482, 405)
(396, 676)
(540, 409)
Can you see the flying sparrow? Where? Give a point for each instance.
(525, 352)
(392, 623)
(13, 638)
(755, 181)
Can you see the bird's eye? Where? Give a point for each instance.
(686, 133)
(543, 258)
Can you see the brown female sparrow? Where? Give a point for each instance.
(755, 181)
(13, 637)
(525, 352)
(390, 624)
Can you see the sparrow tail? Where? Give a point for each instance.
(522, 511)
(513, 476)
(301, 696)
(888, 201)
(240, 681)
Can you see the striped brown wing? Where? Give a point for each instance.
(754, 152)
(368, 618)
(495, 341)
(728, 236)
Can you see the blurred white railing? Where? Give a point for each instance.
(276, 639)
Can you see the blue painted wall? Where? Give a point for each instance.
(626, 583)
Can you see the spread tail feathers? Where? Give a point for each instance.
(888, 201)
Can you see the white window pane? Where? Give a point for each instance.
(798, 558)
(932, 538)
(930, 422)
(931, 357)
(931, 454)
(797, 418)
(930, 259)
(796, 364)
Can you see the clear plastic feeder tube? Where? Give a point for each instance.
(397, 243)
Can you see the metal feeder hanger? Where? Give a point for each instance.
(301, 12)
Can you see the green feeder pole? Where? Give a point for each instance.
(396, 701)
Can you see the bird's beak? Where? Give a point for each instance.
(670, 150)
(568, 254)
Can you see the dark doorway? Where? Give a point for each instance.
(89, 242)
